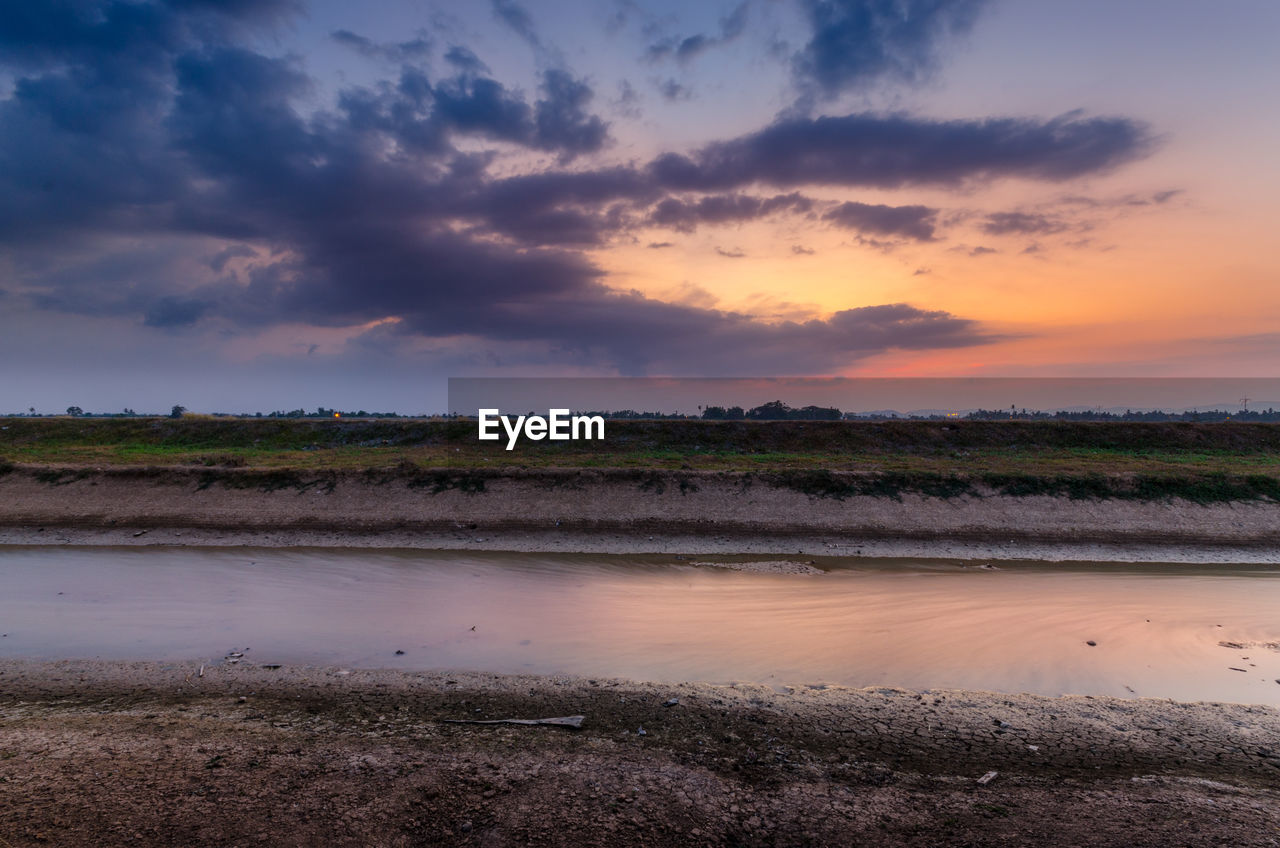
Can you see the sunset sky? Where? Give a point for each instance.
(245, 205)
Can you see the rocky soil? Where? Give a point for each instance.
(169, 754)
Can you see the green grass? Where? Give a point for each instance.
(1203, 462)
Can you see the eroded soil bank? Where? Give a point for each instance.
(616, 511)
(117, 754)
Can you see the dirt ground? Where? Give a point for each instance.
(111, 754)
(614, 512)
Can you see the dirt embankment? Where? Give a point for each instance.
(577, 509)
(114, 754)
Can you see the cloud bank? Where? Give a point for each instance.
(154, 165)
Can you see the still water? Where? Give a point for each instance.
(915, 623)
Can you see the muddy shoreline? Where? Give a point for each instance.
(614, 512)
(160, 754)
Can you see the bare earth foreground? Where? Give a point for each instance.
(147, 754)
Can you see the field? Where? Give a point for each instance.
(1203, 462)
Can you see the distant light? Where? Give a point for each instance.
(337, 415)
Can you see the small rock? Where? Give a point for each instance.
(465, 827)
(671, 702)
(1092, 644)
(641, 732)
(399, 653)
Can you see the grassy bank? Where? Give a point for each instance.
(1203, 462)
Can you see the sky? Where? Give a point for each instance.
(248, 205)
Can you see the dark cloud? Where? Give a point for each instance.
(557, 208)
(423, 117)
(706, 341)
(915, 222)
(672, 90)
(561, 120)
(801, 250)
(897, 150)
(735, 253)
(734, 24)
(174, 312)
(405, 51)
(690, 47)
(261, 133)
(982, 251)
(220, 259)
(658, 245)
(685, 215)
(120, 38)
(466, 62)
(517, 18)
(882, 245)
(386, 207)
(859, 42)
(627, 103)
(1004, 223)
(660, 49)
(82, 139)
(1155, 199)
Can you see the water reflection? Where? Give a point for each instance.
(1023, 627)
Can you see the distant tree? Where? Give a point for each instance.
(31, 410)
(75, 410)
(774, 410)
(817, 413)
(177, 411)
(720, 413)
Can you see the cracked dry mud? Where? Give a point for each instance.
(155, 754)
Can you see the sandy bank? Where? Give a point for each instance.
(111, 754)
(611, 511)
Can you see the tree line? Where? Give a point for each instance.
(773, 411)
